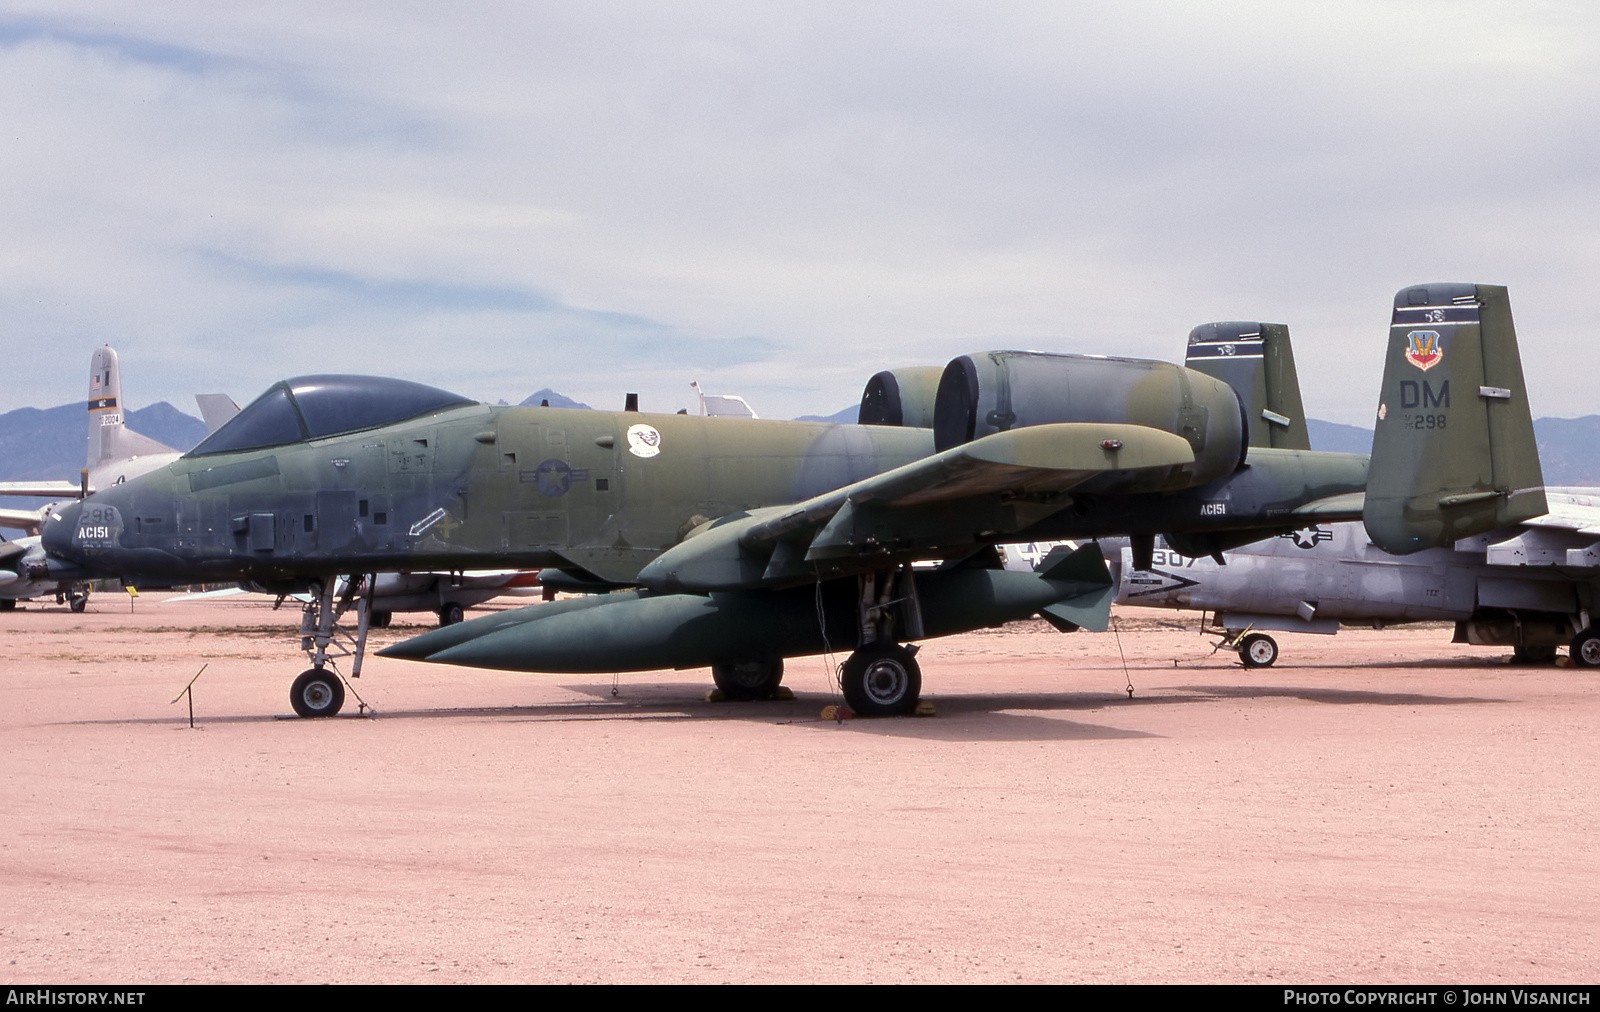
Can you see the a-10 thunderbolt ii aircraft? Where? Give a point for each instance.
(736, 543)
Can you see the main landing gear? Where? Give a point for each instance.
(748, 679)
(1258, 650)
(1586, 649)
(881, 677)
(881, 680)
(319, 691)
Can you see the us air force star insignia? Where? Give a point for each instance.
(1423, 350)
(553, 477)
(643, 441)
(1309, 538)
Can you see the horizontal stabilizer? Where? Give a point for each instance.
(1332, 509)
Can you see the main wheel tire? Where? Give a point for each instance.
(8, 604)
(1533, 655)
(318, 692)
(78, 602)
(748, 679)
(451, 613)
(1258, 651)
(1586, 649)
(882, 680)
(380, 619)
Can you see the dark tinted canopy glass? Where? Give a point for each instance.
(311, 407)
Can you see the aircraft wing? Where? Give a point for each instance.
(42, 489)
(935, 507)
(1568, 535)
(1571, 510)
(31, 521)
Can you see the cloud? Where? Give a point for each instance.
(776, 199)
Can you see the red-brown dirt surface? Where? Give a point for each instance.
(1378, 807)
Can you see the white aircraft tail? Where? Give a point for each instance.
(112, 445)
(216, 410)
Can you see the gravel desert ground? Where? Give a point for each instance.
(1378, 807)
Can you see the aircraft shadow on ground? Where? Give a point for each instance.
(1335, 696)
(990, 716)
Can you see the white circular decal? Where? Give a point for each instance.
(643, 441)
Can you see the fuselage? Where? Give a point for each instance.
(1334, 574)
(471, 487)
(454, 485)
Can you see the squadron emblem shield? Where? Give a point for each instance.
(643, 440)
(1423, 349)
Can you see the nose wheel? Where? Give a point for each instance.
(318, 692)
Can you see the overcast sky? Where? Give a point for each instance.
(776, 199)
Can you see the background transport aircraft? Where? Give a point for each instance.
(1531, 586)
(115, 452)
(735, 542)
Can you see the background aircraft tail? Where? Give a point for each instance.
(216, 410)
(1453, 451)
(1257, 360)
(110, 440)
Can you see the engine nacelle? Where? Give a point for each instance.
(1001, 390)
(901, 397)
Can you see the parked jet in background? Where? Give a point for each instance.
(750, 541)
(1531, 587)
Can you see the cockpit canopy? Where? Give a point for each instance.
(311, 407)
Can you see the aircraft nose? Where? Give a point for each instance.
(60, 526)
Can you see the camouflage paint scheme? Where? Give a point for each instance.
(1019, 446)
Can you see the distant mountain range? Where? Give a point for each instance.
(49, 443)
(549, 398)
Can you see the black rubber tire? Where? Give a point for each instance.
(1586, 649)
(451, 613)
(78, 602)
(318, 692)
(1258, 651)
(380, 619)
(881, 680)
(1533, 655)
(8, 604)
(748, 679)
